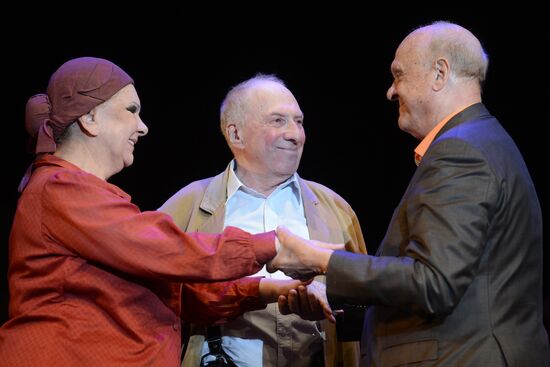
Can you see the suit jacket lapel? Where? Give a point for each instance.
(471, 113)
(316, 229)
(213, 203)
(398, 231)
(322, 223)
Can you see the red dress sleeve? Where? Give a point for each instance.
(88, 217)
(219, 302)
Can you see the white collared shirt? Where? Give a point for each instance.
(255, 213)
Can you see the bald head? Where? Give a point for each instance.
(237, 102)
(456, 44)
(438, 69)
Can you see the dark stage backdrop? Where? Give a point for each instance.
(336, 64)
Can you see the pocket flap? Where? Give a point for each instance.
(418, 351)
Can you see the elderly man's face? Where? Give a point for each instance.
(412, 86)
(273, 132)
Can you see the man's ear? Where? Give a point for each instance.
(442, 73)
(234, 137)
(88, 124)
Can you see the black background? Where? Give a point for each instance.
(335, 59)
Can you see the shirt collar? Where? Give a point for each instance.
(234, 185)
(421, 148)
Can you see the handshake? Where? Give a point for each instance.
(299, 258)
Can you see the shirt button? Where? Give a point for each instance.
(175, 326)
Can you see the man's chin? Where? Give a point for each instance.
(402, 123)
(287, 171)
(129, 161)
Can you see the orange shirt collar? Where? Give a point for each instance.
(421, 148)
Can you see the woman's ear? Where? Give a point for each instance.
(88, 124)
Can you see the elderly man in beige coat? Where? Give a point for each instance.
(260, 189)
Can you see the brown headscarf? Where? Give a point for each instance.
(74, 90)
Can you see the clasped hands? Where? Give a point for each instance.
(303, 259)
(299, 258)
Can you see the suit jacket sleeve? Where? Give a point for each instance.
(445, 213)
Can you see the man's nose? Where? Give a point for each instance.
(391, 94)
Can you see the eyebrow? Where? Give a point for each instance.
(273, 114)
(396, 70)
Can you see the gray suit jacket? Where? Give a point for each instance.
(457, 280)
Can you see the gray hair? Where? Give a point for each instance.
(464, 50)
(235, 107)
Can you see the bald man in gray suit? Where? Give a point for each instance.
(457, 280)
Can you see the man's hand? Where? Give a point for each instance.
(309, 302)
(270, 289)
(300, 258)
